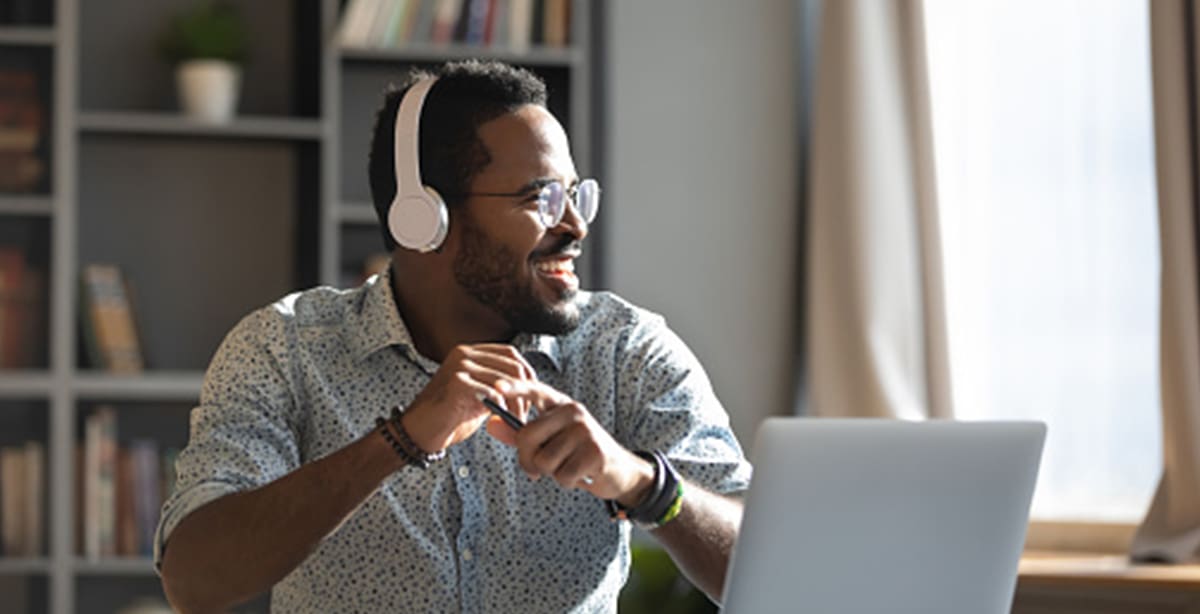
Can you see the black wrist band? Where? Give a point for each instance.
(656, 508)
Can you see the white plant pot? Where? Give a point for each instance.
(208, 89)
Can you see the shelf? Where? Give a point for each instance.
(27, 35)
(358, 213)
(136, 566)
(535, 56)
(1078, 570)
(156, 386)
(23, 384)
(174, 124)
(15, 566)
(26, 205)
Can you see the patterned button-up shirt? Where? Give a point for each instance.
(309, 374)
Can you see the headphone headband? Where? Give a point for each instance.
(407, 142)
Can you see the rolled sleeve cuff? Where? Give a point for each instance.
(185, 503)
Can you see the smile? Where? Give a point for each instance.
(558, 266)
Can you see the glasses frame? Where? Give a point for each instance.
(543, 193)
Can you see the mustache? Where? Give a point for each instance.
(564, 246)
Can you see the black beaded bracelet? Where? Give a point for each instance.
(382, 426)
(404, 445)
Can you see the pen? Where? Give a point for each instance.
(510, 419)
(507, 416)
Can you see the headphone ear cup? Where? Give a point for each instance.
(419, 221)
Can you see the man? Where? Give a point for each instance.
(299, 476)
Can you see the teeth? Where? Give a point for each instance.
(556, 266)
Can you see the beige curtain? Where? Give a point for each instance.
(1171, 529)
(875, 321)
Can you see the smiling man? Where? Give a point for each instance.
(343, 455)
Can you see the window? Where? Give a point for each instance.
(1045, 160)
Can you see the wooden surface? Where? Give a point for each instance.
(1103, 570)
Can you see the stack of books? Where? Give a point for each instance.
(23, 116)
(505, 24)
(121, 489)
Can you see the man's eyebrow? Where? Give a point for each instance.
(535, 184)
(542, 182)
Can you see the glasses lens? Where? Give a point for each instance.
(587, 199)
(550, 204)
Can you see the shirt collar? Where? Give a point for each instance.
(380, 326)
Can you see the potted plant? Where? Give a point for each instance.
(655, 586)
(207, 46)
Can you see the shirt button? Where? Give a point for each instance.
(466, 554)
(464, 471)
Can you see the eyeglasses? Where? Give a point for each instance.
(552, 200)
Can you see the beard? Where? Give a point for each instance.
(493, 275)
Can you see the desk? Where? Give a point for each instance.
(1054, 583)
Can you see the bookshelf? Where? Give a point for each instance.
(28, 35)
(27, 206)
(207, 222)
(172, 125)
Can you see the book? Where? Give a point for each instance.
(22, 126)
(148, 495)
(555, 23)
(422, 30)
(12, 504)
(520, 25)
(107, 315)
(356, 23)
(444, 21)
(126, 533)
(475, 18)
(383, 28)
(80, 492)
(404, 27)
(22, 305)
(12, 274)
(33, 519)
(99, 471)
(500, 31)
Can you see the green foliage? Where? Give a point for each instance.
(210, 31)
(656, 587)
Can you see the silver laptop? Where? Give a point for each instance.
(884, 516)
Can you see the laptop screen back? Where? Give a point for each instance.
(867, 515)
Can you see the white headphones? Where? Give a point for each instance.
(417, 218)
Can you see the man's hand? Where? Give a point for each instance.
(448, 410)
(566, 443)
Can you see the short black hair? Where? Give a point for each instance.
(467, 94)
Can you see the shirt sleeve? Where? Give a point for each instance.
(675, 410)
(242, 434)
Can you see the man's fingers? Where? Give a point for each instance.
(577, 469)
(548, 458)
(501, 357)
(536, 393)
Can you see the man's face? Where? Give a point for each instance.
(507, 260)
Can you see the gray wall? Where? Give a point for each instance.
(700, 186)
